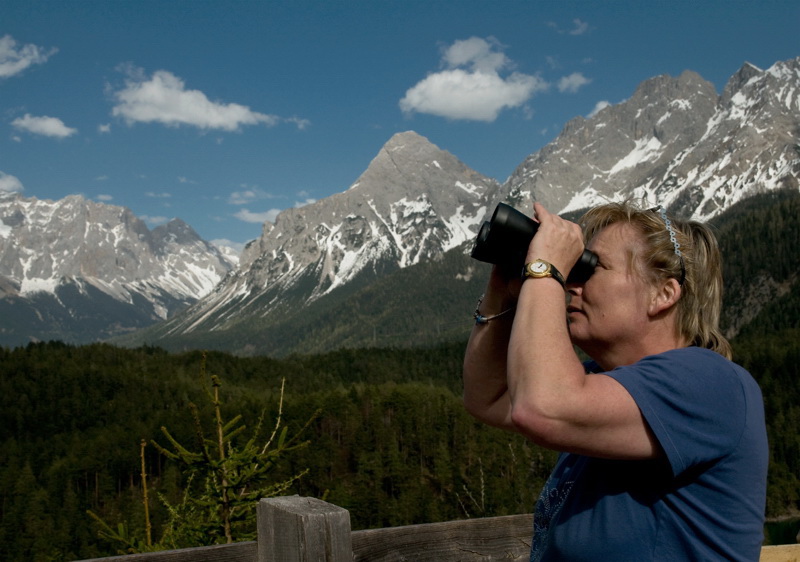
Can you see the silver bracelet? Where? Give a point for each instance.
(481, 319)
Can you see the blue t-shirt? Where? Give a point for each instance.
(704, 500)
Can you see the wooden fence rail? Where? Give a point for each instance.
(298, 529)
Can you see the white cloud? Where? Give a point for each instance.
(163, 98)
(154, 221)
(599, 106)
(580, 28)
(14, 60)
(162, 195)
(471, 86)
(308, 201)
(479, 55)
(9, 183)
(572, 83)
(249, 216)
(104, 128)
(223, 243)
(248, 194)
(302, 124)
(104, 197)
(244, 197)
(46, 126)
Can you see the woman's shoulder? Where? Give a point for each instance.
(701, 362)
(694, 353)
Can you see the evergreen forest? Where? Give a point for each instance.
(378, 431)
(388, 438)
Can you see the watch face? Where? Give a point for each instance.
(539, 267)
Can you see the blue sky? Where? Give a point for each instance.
(224, 113)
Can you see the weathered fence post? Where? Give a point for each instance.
(298, 529)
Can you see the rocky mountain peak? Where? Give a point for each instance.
(595, 159)
(409, 165)
(674, 142)
(409, 140)
(747, 72)
(177, 230)
(57, 256)
(663, 89)
(414, 202)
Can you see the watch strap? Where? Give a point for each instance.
(549, 271)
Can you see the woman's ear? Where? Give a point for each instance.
(665, 296)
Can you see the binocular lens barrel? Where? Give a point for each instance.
(504, 241)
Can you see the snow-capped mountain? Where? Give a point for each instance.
(675, 141)
(70, 264)
(413, 203)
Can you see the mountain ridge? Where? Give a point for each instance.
(99, 258)
(675, 141)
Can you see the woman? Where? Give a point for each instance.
(663, 440)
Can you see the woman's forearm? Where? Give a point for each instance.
(485, 361)
(544, 373)
(485, 388)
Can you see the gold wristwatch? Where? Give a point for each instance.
(540, 268)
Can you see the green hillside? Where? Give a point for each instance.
(421, 305)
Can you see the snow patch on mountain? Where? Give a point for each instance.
(646, 150)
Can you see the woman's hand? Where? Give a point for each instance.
(557, 241)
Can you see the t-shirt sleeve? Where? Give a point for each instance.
(693, 400)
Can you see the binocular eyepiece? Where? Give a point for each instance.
(504, 241)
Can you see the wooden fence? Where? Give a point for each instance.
(298, 529)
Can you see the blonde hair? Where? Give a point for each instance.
(691, 256)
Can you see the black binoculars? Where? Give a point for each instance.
(504, 241)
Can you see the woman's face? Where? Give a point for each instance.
(610, 309)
